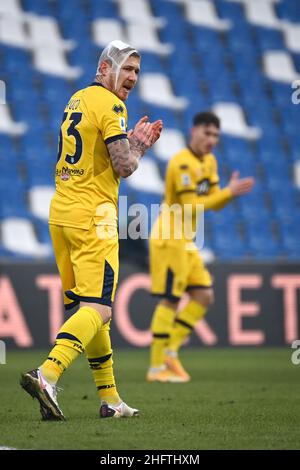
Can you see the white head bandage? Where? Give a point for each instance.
(116, 52)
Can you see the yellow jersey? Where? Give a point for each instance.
(84, 176)
(190, 180)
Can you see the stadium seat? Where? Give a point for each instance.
(143, 36)
(39, 201)
(233, 121)
(278, 65)
(107, 29)
(203, 13)
(170, 142)
(155, 88)
(7, 124)
(18, 236)
(262, 13)
(291, 33)
(138, 11)
(11, 8)
(44, 31)
(12, 31)
(146, 177)
(53, 62)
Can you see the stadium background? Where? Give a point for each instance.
(239, 57)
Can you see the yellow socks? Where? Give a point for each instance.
(184, 324)
(99, 355)
(161, 327)
(71, 341)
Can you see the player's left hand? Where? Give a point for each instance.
(146, 131)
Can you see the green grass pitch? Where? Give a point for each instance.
(237, 399)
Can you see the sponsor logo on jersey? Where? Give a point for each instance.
(65, 173)
(118, 109)
(203, 186)
(73, 104)
(65, 176)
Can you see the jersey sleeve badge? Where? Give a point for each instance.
(118, 109)
(122, 123)
(185, 179)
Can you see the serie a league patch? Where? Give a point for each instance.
(185, 179)
(122, 123)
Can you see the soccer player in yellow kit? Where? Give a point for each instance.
(94, 151)
(176, 265)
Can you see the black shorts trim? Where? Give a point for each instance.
(107, 289)
(109, 140)
(183, 323)
(95, 300)
(172, 298)
(108, 283)
(71, 305)
(161, 335)
(198, 286)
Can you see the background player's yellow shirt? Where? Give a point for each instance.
(85, 178)
(186, 173)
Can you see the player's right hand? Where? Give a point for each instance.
(156, 130)
(240, 186)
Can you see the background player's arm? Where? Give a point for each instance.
(214, 201)
(126, 153)
(218, 198)
(223, 202)
(225, 197)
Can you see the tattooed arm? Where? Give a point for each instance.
(123, 160)
(126, 153)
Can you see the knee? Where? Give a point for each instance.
(103, 310)
(204, 297)
(169, 303)
(105, 315)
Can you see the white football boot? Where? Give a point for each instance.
(117, 411)
(37, 386)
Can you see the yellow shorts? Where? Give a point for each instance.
(88, 264)
(174, 269)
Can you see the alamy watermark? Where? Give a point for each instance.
(296, 93)
(176, 221)
(295, 357)
(2, 92)
(2, 352)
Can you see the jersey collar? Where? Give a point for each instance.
(97, 84)
(196, 156)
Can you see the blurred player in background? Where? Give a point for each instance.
(175, 263)
(94, 151)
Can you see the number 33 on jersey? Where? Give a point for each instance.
(85, 177)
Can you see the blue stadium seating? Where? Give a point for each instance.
(206, 67)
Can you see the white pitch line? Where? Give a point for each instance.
(7, 448)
